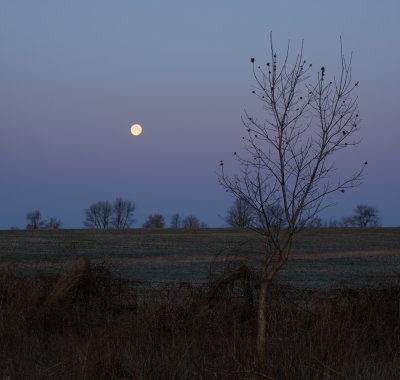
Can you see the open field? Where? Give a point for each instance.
(321, 257)
(67, 318)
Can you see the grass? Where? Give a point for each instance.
(321, 257)
(32, 245)
(89, 323)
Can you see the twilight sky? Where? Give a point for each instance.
(75, 75)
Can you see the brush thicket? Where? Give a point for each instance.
(88, 323)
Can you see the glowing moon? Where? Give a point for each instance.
(136, 129)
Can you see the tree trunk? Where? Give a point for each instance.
(262, 319)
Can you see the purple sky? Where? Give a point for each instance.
(74, 76)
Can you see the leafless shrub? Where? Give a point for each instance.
(154, 221)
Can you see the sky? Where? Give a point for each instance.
(75, 75)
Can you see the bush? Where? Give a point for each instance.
(89, 323)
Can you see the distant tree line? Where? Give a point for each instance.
(106, 214)
(119, 214)
(154, 221)
(241, 215)
(158, 221)
(35, 222)
(364, 216)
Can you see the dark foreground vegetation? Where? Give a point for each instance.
(90, 324)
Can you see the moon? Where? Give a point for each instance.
(136, 129)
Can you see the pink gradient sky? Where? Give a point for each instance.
(75, 75)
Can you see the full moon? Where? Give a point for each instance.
(136, 129)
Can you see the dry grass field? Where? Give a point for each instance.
(176, 304)
(86, 323)
(321, 257)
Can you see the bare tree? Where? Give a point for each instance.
(175, 221)
(105, 213)
(98, 215)
(53, 224)
(35, 221)
(122, 213)
(240, 215)
(191, 221)
(92, 216)
(364, 216)
(154, 221)
(288, 160)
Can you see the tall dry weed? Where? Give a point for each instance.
(88, 323)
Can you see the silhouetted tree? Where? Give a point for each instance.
(154, 221)
(98, 215)
(288, 160)
(191, 221)
(122, 212)
(364, 216)
(175, 221)
(240, 215)
(92, 216)
(35, 220)
(53, 224)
